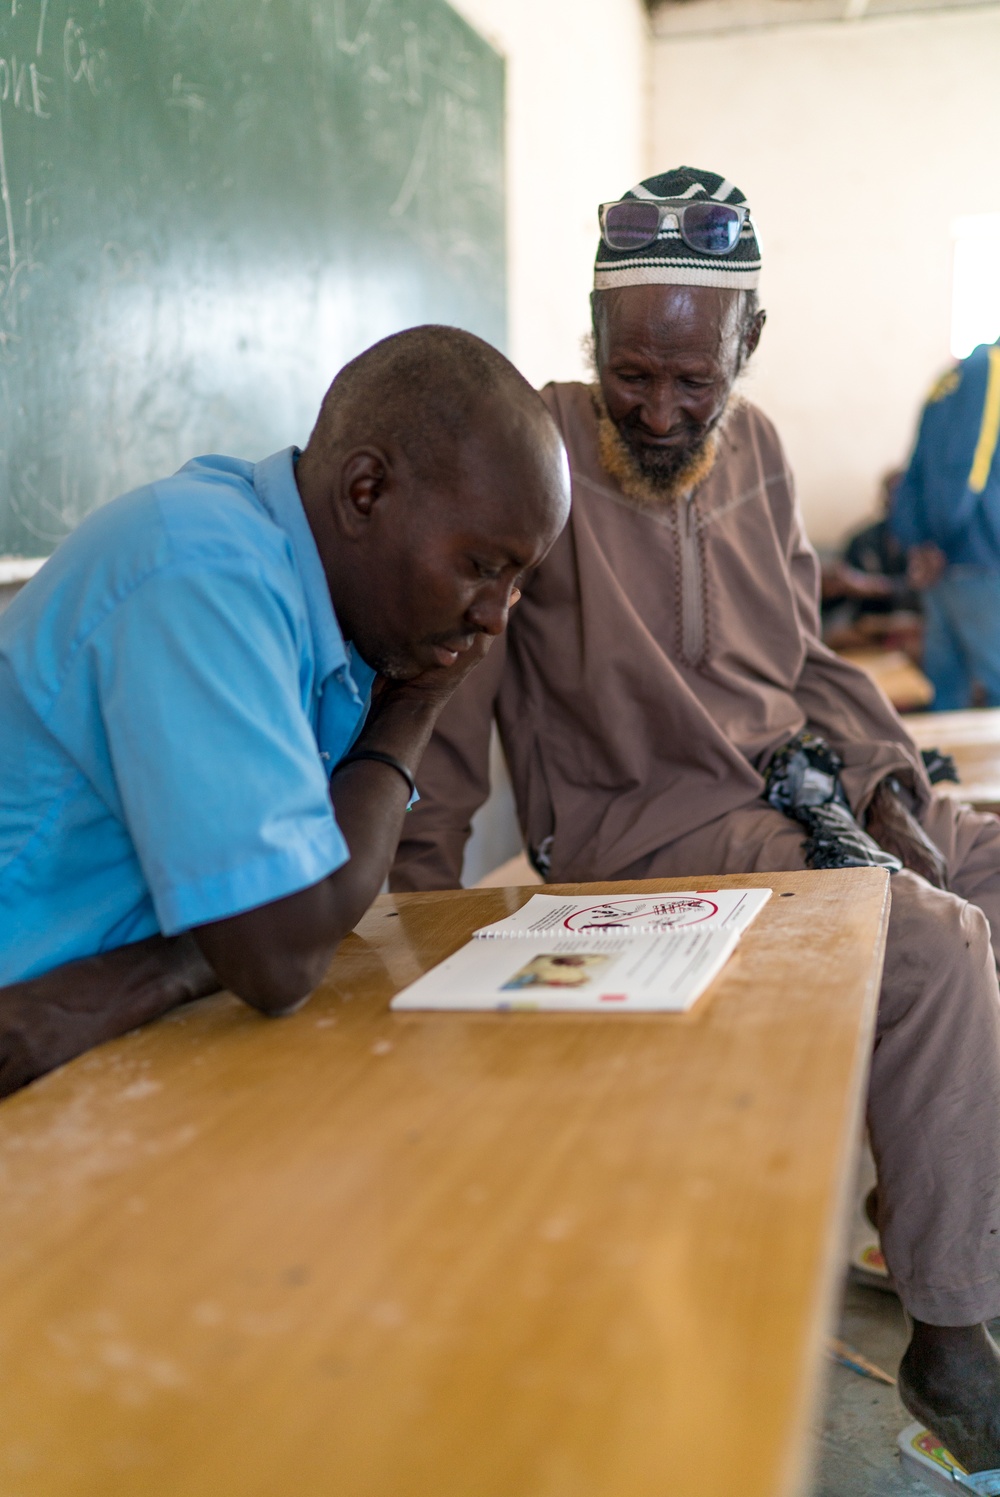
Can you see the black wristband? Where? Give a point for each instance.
(356, 755)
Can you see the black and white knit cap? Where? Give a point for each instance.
(668, 261)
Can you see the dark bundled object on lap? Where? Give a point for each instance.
(939, 766)
(803, 782)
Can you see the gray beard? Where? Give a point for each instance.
(667, 469)
(653, 478)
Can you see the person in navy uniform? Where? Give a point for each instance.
(946, 513)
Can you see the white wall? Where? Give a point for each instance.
(856, 143)
(577, 117)
(577, 122)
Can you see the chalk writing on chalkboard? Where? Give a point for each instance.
(207, 206)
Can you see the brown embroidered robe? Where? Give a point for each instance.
(653, 664)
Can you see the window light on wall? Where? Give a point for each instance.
(975, 285)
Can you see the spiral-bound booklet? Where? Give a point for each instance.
(653, 953)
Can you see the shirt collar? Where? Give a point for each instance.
(275, 486)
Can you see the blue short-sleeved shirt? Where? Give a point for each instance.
(174, 689)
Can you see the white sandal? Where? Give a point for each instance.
(924, 1457)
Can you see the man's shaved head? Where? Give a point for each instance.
(421, 390)
(434, 478)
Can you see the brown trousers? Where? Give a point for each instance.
(934, 1089)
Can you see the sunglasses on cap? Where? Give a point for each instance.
(710, 228)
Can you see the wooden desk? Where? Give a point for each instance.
(904, 683)
(973, 740)
(358, 1254)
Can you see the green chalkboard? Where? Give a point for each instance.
(208, 206)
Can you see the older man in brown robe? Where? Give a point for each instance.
(660, 657)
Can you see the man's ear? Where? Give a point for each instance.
(363, 475)
(752, 336)
(598, 313)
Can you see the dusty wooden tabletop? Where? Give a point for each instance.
(359, 1254)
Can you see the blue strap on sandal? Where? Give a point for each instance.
(986, 1483)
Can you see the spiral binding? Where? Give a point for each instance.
(613, 931)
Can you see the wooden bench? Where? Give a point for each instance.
(973, 740)
(358, 1253)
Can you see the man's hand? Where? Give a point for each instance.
(435, 685)
(839, 580)
(924, 565)
(432, 687)
(897, 831)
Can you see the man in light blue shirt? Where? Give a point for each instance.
(201, 787)
(194, 604)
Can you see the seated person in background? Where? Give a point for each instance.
(662, 676)
(214, 696)
(946, 513)
(874, 550)
(865, 594)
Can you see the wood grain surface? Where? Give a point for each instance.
(904, 683)
(359, 1254)
(973, 740)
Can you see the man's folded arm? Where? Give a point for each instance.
(277, 815)
(275, 876)
(49, 1019)
(274, 956)
(271, 956)
(453, 781)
